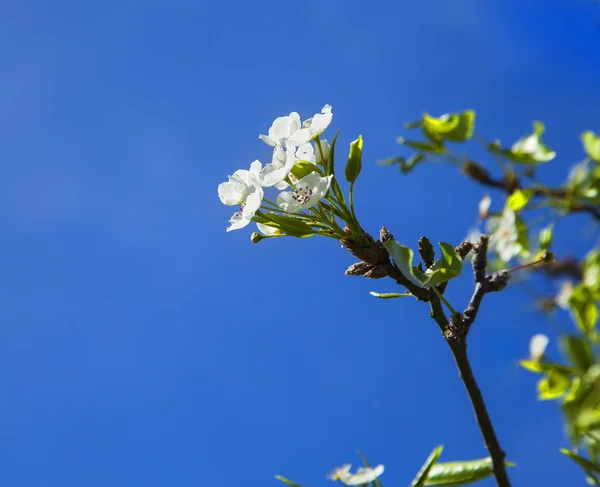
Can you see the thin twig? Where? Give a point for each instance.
(480, 174)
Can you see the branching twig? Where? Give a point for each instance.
(481, 175)
(376, 264)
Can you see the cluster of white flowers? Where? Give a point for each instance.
(292, 142)
(363, 475)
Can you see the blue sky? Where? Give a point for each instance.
(142, 345)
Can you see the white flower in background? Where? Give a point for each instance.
(243, 189)
(309, 191)
(363, 475)
(267, 230)
(340, 473)
(564, 294)
(537, 346)
(474, 235)
(484, 206)
(504, 235)
(325, 148)
(287, 131)
(274, 173)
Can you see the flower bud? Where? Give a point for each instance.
(256, 237)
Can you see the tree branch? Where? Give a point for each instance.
(459, 352)
(480, 174)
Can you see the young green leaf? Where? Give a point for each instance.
(545, 238)
(461, 473)
(457, 127)
(519, 199)
(287, 481)
(540, 367)
(389, 295)
(422, 474)
(290, 225)
(578, 350)
(303, 168)
(529, 149)
(445, 268)
(434, 147)
(591, 144)
(584, 463)
(403, 257)
(583, 308)
(553, 385)
(354, 164)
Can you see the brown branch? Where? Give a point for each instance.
(483, 283)
(458, 348)
(480, 174)
(375, 263)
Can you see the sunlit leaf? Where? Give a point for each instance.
(553, 385)
(421, 476)
(591, 144)
(519, 199)
(389, 295)
(461, 473)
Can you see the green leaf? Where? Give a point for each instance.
(583, 308)
(421, 477)
(389, 295)
(591, 271)
(403, 257)
(287, 481)
(329, 164)
(584, 463)
(290, 225)
(537, 366)
(434, 147)
(529, 149)
(457, 127)
(445, 268)
(518, 199)
(405, 165)
(461, 473)
(545, 238)
(591, 144)
(553, 385)
(578, 351)
(522, 237)
(303, 168)
(354, 164)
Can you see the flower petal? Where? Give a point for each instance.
(267, 230)
(537, 346)
(287, 202)
(238, 220)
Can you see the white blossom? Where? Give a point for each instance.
(243, 189)
(504, 235)
(363, 475)
(309, 191)
(289, 131)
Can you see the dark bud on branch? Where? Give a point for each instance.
(426, 252)
(497, 281)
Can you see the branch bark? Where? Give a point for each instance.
(481, 175)
(458, 348)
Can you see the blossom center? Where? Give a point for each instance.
(302, 195)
